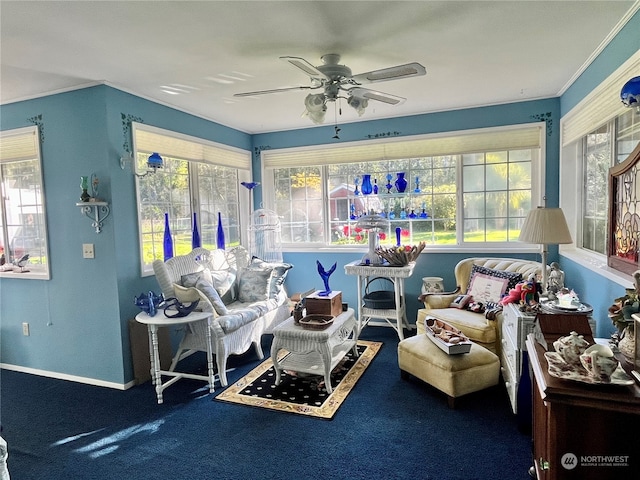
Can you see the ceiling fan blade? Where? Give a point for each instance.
(375, 95)
(264, 92)
(392, 73)
(306, 67)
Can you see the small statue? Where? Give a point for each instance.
(325, 278)
(556, 279)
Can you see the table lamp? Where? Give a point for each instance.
(545, 226)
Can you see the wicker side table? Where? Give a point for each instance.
(314, 351)
(397, 317)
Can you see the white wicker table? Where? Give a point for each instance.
(160, 320)
(397, 276)
(314, 351)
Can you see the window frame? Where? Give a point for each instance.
(600, 106)
(457, 138)
(27, 151)
(194, 151)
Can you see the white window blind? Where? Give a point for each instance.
(485, 140)
(171, 144)
(19, 144)
(601, 105)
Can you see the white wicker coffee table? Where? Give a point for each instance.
(314, 351)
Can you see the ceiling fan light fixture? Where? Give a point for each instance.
(334, 79)
(316, 107)
(358, 104)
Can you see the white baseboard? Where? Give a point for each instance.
(64, 376)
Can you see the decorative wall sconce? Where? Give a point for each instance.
(630, 94)
(154, 162)
(97, 212)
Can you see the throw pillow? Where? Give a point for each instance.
(254, 285)
(486, 288)
(512, 277)
(461, 301)
(224, 281)
(212, 295)
(278, 273)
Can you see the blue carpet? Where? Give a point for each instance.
(387, 428)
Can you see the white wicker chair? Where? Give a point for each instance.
(169, 274)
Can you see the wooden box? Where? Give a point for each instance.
(329, 305)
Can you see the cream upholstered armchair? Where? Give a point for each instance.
(245, 296)
(476, 326)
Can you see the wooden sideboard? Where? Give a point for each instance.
(582, 431)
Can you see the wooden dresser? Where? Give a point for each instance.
(582, 431)
(515, 327)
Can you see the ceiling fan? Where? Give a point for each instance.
(334, 79)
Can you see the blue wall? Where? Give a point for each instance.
(79, 318)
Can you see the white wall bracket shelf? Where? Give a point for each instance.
(96, 211)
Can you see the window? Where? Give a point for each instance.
(23, 229)
(198, 177)
(606, 146)
(474, 187)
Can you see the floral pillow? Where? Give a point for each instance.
(278, 273)
(254, 285)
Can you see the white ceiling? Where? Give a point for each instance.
(476, 53)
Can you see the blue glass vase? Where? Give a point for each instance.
(195, 236)
(366, 188)
(167, 243)
(220, 236)
(401, 182)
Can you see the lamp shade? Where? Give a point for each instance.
(545, 226)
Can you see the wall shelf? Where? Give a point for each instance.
(96, 211)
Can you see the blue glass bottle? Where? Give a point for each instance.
(375, 186)
(220, 236)
(195, 236)
(167, 243)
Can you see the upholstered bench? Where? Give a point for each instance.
(455, 375)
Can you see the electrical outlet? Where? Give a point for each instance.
(25, 329)
(87, 250)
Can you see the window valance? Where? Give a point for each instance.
(451, 143)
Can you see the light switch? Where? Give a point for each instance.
(87, 250)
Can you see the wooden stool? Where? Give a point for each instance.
(455, 375)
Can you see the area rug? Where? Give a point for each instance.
(301, 393)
